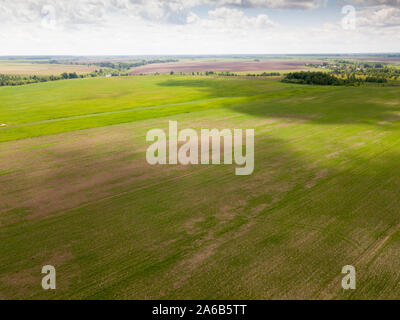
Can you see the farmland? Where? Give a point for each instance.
(41, 69)
(77, 192)
(222, 66)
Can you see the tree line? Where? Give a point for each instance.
(17, 80)
(324, 78)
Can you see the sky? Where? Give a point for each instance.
(173, 27)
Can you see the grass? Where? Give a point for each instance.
(62, 106)
(78, 193)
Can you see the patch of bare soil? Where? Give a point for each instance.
(222, 66)
(47, 175)
(23, 280)
(332, 155)
(319, 175)
(206, 248)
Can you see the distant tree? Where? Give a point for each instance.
(375, 79)
(72, 75)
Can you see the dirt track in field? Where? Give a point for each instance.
(222, 66)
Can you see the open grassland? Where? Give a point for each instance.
(77, 193)
(42, 69)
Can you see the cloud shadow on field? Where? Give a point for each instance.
(372, 105)
(344, 106)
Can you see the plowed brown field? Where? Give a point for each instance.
(222, 66)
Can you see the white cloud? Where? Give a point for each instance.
(173, 27)
(73, 12)
(379, 16)
(233, 18)
(391, 3)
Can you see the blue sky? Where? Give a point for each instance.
(85, 27)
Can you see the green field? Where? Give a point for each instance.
(77, 192)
